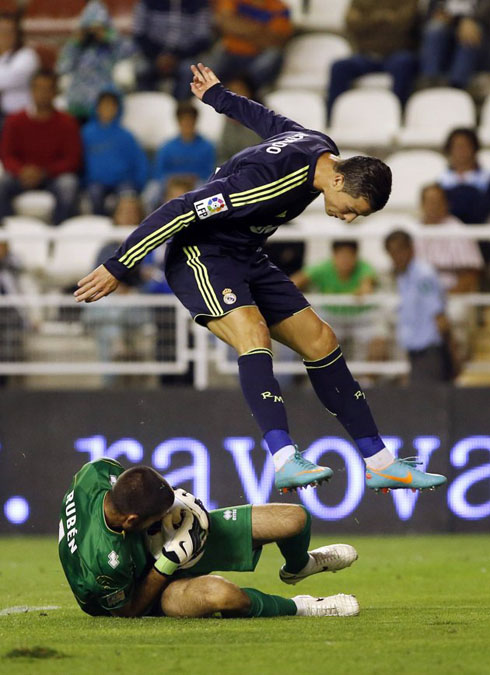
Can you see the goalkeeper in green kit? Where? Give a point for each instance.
(131, 545)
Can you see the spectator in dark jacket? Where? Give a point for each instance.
(114, 161)
(170, 36)
(381, 33)
(41, 150)
(452, 40)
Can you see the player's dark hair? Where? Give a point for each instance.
(399, 236)
(186, 108)
(142, 491)
(345, 243)
(469, 133)
(366, 177)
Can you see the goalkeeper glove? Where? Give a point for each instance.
(183, 545)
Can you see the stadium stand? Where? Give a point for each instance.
(412, 169)
(306, 107)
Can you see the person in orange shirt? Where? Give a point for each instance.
(253, 33)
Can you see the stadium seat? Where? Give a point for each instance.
(484, 159)
(304, 107)
(431, 114)
(75, 250)
(307, 61)
(209, 123)
(365, 118)
(412, 169)
(34, 204)
(124, 74)
(32, 247)
(150, 116)
(374, 81)
(484, 129)
(322, 15)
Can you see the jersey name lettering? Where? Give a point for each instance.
(71, 519)
(277, 146)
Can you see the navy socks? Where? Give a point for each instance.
(343, 397)
(263, 395)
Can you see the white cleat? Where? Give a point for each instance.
(324, 559)
(334, 605)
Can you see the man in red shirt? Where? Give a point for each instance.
(41, 150)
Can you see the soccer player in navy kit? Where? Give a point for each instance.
(216, 267)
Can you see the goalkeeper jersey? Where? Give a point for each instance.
(101, 565)
(247, 199)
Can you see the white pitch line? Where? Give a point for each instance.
(24, 609)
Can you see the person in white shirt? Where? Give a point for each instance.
(18, 63)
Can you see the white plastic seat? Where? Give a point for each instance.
(324, 15)
(305, 107)
(151, 117)
(124, 74)
(365, 118)
(34, 204)
(412, 169)
(209, 122)
(307, 61)
(431, 114)
(484, 159)
(76, 249)
(484, 129)
(374, 81)
(32, 246)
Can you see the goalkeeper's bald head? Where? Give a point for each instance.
(143, 492)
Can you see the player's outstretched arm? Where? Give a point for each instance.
(251, 114)
(96, 285)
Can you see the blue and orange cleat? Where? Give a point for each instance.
(402, 474)
(299, 472)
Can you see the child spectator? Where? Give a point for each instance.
(458, 260)
(381, 33)
(170, 36)
(41, 150)
(17, 65)
(452, 40)
(345, 273)
(114, 162)
(253, 33)
(89, 58)
(188, 153)
(236, 136)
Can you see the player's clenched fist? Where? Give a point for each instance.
(96, 285)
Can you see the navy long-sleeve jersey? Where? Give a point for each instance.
(247, 199)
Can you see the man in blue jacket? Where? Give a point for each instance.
(113, 159)
(216, 267)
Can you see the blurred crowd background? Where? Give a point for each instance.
(97, 128)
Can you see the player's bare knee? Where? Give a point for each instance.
(223, 596)
(254, 336)
(322, 342)
(298, 517)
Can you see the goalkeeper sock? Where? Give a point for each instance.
(262, 604)
(295, 549)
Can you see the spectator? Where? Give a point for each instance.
(253, 33)
(89, 58)
(118, 329)
(458, 260)
(453, 36)
(188, 153)
(114, 161)
(12, 321)
(170, 36)
(465, 182)
(236, 136)
(381, 33)
(17, 65)
(41, 149)
(345, 273)
(423, 329)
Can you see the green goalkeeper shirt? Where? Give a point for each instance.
(102, 566)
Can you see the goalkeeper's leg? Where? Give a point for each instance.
(208, 595)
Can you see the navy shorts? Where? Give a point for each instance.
(211, 281)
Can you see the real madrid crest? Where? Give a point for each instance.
(228, 296)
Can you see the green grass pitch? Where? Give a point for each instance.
(425, 608)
